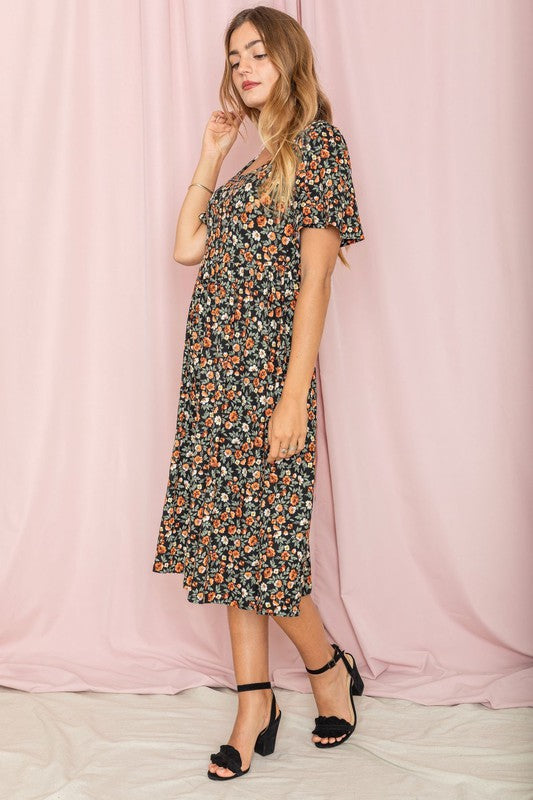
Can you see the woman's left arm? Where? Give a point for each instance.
(319, 248)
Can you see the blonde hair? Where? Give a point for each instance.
(295, 101)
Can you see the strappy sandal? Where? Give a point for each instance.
(326, 727)
(230, 758)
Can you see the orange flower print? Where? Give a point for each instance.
(236, 527)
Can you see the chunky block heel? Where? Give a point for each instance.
(330, 727)
(266, 741)
(357, 685)
(230, 758)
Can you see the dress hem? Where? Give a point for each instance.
(246, 605)
(250, 606)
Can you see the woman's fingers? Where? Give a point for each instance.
(287, 450)
(280, 449)
(284, 445)
(222, 118)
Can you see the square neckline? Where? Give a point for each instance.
(241, 172)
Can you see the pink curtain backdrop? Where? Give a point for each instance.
(422, 523)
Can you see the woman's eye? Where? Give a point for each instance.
(261, 55)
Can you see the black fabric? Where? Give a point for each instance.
(331, 726)
(228, 757)
(243, 687)
(330, 664)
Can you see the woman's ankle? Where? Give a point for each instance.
(258, 697)
(326, 656)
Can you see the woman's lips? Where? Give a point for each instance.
(249, 86)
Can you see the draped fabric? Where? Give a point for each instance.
(421, 532)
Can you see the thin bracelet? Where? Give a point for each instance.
(203, 187)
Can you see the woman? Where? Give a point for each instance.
(238, 506)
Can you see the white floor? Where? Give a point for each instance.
(84, 745)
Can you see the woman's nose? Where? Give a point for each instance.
(244, 67)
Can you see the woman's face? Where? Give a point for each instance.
(250, 63)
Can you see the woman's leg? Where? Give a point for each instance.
(329, 688)
(249, 644)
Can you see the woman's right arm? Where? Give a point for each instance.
(191, 233)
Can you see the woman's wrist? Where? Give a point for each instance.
(298, 393)
(207, 169)
(211, 157)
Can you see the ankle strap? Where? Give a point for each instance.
(330, 664)
(244, 687)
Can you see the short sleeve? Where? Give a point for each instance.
(324, 190)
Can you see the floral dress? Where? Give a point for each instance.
(236, 526)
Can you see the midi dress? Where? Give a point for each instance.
(236, 526)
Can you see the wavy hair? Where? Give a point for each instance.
(295, 101)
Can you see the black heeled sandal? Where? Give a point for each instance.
(326, 727)
(230, 758)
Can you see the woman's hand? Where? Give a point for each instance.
(287, 428)
(220, 133)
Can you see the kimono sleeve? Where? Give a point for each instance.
(324, 189)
